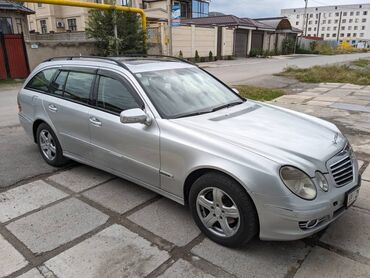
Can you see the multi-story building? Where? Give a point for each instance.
(349, 23)
(50, 18)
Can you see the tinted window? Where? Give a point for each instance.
(57, 86)
(78, 86)
(114, 96)
(41, 80)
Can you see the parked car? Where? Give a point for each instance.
(244, 168)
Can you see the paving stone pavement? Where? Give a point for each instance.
(83, 222)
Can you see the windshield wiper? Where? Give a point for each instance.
(231, 104)
(193, 114)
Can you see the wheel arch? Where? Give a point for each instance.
(35, 126)
(197, 173)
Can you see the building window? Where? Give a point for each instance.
(6, 25)
(297, 23)
(345, 14)
(327, 35)
(324, 22)
(334, 35)
(200, 9)
(354, 35)
(322, 28)
(336, 14)
(357, 13)
(310, 22)
(322, 35)
(362, 27)
(334, 28)
(329, 15)
(315, 21)
(365, 12)
(297, 16)
(18, 25)
(351, 20)
(343, 27)
(355, 28)
(349, 27)
(311, 15)
(344, 21)
(356, 20)
(342, 35)
(336, 21)
(362, 35)
(351, 13)
(72, 24)
(43, 26)
(328, 29)
(348, 34)
(39, 5)
(329, 21)
(315, 29)
(309, 29)
(364, 20)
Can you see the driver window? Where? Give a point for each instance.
(114, 96)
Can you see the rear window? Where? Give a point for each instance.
(41, 81)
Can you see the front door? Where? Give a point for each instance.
(130, 149)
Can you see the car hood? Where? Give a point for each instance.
(279, 134)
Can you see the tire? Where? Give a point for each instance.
(221, 216)
(49, 146)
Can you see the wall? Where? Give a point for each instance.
(42, 47)
(188, 39)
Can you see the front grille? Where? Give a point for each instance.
(342, 170)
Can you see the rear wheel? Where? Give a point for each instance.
(49, 146)
(223, 210)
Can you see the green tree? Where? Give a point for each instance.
(130, 36)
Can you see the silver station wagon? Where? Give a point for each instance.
(244, 168)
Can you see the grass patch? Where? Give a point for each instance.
(259, 93)
(11, 82)
(361, 63)
(330, 74)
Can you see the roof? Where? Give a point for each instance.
(13, 6)
(222, 20)
(278, 23)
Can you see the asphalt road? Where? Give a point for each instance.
(19, 155)
(242, 71)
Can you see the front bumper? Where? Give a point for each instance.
(280, 223)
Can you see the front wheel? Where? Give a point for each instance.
(49, 146)
(223, 210)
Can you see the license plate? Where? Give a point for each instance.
(351, 196)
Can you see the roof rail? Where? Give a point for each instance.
(89, 57)
(156, 56)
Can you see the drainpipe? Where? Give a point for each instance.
(249, 43)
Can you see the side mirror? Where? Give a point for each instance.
(134, 116)
(236, 91)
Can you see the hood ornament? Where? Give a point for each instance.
(335, 140)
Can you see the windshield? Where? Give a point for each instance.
(186, 92)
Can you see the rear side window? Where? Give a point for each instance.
(78, 86)
(41, 81)
(114, 96)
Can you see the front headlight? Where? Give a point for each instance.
(298, 182)
(321, 181)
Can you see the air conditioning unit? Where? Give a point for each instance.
(60, 24)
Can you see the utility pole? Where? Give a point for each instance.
(115, 29)
(169, 20)
(304, 19)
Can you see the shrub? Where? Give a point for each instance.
(210, 56)
(196, 56)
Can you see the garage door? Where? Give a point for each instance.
(257, 40)
(241, 40)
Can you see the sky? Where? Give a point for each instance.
(269, 8)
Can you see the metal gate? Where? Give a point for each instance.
(13, 57)
(241, 42)
(257, 40)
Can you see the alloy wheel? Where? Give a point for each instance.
(218, 212)
(47, 145)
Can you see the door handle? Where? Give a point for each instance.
(34, 98)
(53, 108)
(95, 121)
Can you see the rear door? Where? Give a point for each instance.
(68, 106)
(131, 149)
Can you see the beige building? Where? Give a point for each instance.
(50, 18)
